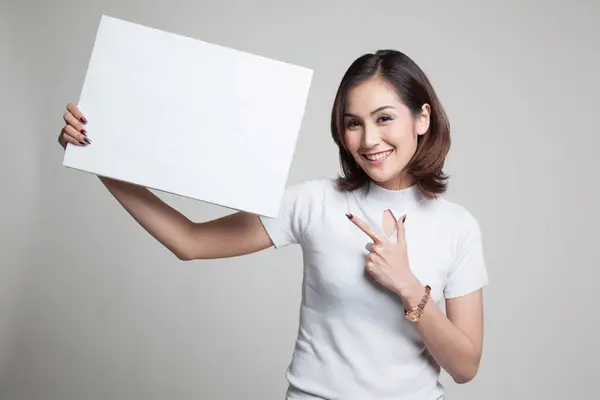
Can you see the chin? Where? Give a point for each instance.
(380, 177)
(383, 177)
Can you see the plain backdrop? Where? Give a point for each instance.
(91, 307)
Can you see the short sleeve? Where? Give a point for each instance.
(296, 211)
(468, 272)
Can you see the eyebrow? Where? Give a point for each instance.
(372, 112)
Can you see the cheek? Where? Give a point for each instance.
(401, 136)
(352, 140)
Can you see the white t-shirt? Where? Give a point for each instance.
(354, 341)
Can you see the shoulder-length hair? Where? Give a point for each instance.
(415, 90)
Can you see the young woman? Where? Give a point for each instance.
(381, 247)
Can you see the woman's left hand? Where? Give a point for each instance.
(387, 262)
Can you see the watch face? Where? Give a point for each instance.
(413, 315)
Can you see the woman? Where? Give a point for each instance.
(381, 247)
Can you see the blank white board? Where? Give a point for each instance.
(190, 118)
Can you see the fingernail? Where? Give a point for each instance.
(349, 216)
(403, 218)
(84, 131)
(82, 119)
(88, 141)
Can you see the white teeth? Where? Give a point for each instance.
(378, 156)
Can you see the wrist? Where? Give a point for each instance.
(411, 293)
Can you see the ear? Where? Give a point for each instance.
(423, 120)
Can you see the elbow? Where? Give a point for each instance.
(465, 376)
(467, 369)
(183, 245)
(184, 254)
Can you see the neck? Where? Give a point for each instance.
(400, 194)
(401, 182)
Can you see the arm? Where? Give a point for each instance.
(233, 235)
(455, 341)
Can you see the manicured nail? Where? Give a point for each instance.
(349, 216)
(88, 141)
(403, 218)
(83, 120)
(84, 132)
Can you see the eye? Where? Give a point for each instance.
(352, 123)
(384, 118)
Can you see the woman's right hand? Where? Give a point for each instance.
(229, 236)
(73, 132)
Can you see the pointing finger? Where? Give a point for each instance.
(363, 226)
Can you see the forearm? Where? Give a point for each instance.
(163, 222)
(449, 346)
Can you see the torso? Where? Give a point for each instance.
(353, 334)
(354, 341)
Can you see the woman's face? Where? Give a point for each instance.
(381, 132)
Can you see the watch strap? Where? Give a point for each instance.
(414, 313)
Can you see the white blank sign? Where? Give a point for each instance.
(190, 118)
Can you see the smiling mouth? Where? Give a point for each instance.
(382, 155)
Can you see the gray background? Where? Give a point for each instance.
(91, 307)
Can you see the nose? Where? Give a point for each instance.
(370, 137)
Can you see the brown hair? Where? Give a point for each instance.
(415, 90)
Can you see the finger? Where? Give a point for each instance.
(370, 266)
(374, 248)
(363, 226)
(400, 229)
(79, 136)
(76, 112)
(70, 132)
(63, 139)
(74, 122)
(375, 258)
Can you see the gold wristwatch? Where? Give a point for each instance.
(414, 314)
